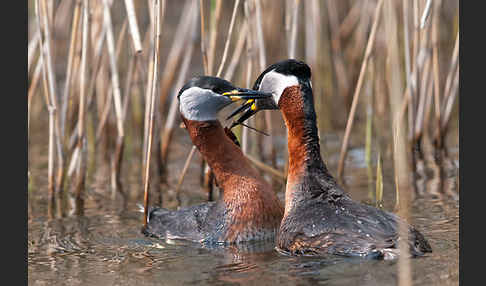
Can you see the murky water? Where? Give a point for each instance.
(105, 246)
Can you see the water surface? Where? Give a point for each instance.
(105, 247)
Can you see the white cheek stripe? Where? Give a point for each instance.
(276, 83)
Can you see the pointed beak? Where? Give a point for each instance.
(247, 113)
(248, 94)
(248, 109)
(255, 101)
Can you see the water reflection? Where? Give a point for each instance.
(103, 244)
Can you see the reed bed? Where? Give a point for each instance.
(103, 77)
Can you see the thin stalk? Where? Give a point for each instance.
(435, 59)
(350, 21)
(355, 50)
(418, 130)
(242, 37)
(268, 169)
(117, 157)
(413, 91)
(89, 92)
(401, 176)
(104, 115)
(81, 168)
(428, 104)
(369, 116)
(148, 91)
(228, 38)
(132, 24)
(114, 70)
(120, 143)
(407, 100)
(337, 58)
(379, 182)
(259, 35)
(395, 91)
(215, 20)
(203, 37)
(349, 124)
(31, 49)
(369, 130)
(176, 52)
(263, 64)
(69, 68)
(155, 60)
(183, 173)
(32, 91)
(453, 69)
(321, 52)
(312, 39)
(411, 80)
(450, 101)
(49, 80)
(293, 33)
(109, 94)
(97, 65)
(249, 56)
(50, 162)
(171, 117)
(426, 13)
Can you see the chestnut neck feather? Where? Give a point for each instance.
(251, 208)
(305, 162)
(223, 156)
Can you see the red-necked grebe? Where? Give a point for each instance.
(248, 208)
(319, 216)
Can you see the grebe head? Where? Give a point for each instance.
(274, 80)
(202, 97)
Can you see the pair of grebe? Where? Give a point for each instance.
(318, 218)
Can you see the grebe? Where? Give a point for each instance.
(248, 208)
(319, 216)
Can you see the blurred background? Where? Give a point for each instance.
(385, 77)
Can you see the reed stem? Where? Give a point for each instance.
(183, 174)
(132, 23)
(155, 60)
(228, 38)
(81, 166)
(214, 20)
(349, 124)
(69, 68)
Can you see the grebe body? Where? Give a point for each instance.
(248, 209)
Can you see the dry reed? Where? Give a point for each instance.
(155, 60)
(132, 21)
(122, 87)
(349, 124)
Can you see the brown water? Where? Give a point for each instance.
(105, 246)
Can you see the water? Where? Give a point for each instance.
(105, 246)
(108, 249)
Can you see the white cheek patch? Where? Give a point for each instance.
(194, 104)
(275, 83)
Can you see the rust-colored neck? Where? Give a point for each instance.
(251, 208)
(305, 160)
(223, 156)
